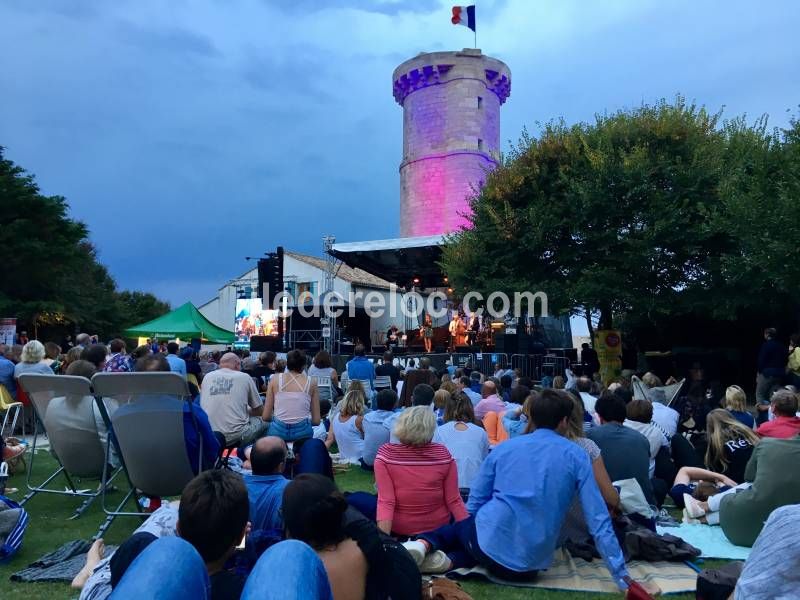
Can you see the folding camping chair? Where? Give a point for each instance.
(148, 426)
(325, 387)
(383, 382)
(11, 411)
(642, 392)
(64, 408)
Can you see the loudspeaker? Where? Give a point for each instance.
(262, 343)
(506, 343)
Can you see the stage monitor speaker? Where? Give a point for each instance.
(513, 343)
(263, 343)
(464, 349)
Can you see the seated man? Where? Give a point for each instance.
(376, 431)
(522, 493)
(192, 414)
(265, 486)
(626, 453)
(774, 470)
(211, 516)
(490, 401)
(231, 400)
(764, 577)
(786, 423)
(463, 385)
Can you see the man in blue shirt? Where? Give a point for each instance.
(518, 502)
(360, 367)
(176, 363)
(265, 486)
(7, 373)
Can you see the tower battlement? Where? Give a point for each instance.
(451, 134)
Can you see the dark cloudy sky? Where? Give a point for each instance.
(190, 133)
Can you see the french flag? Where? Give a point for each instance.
(464, 15)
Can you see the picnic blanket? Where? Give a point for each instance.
(59, 565)
(578, 575)
(711, 541)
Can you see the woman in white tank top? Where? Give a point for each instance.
(292, 404)
(347, 426)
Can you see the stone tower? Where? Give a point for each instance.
(451, 135)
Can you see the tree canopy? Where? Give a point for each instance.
(49, 274)
(644, 214)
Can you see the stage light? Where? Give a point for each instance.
(449, 290)
(415, 281)
(445, 280)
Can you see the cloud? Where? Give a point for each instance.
(188, 135)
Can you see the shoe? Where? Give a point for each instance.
(689, 520)
(693, 508)
(417, 550)
(436, 563)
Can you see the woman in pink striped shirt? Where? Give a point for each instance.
(417, 480)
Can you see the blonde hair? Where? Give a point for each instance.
(415, 426)
(651, 380)
(353, 403)
(449, 387)
(440, 398)
(735, 398)
(32, 352)
(558, 382)
(575, 420)
(722, 427)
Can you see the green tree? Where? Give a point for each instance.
(632, 216)
(139, 307)
(49, 274)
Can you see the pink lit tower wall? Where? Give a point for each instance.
(451, 135)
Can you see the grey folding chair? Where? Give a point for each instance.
(148, 426)
(324, 386)
(64, 408)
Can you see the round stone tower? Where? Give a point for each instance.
(451, 135)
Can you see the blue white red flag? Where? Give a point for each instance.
(464, 15)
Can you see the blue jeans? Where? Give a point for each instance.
(169, 569)
(460, 542)
(289, 570)
(290, 432)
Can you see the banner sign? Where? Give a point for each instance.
(608, 344)
(8, 331)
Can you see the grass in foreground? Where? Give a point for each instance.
(50, 527)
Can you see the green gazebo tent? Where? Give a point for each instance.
(185, 322)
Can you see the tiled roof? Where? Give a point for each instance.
(356, 276)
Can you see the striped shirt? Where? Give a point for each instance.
(417, 487)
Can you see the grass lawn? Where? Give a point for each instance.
(49, 528)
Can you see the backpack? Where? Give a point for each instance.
(718, 584)
(393, 573)
(12, 541)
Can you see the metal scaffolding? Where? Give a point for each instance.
(329, 322)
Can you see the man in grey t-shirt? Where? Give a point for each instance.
(232, 403)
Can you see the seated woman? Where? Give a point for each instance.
(466, 442)
(494, 422)
(574, 528)
(417, 480)
(440, 399)
(347, 427)
(359, 564)
(322, 366)
(516, 418)
(292, 404)
(730, 444)
(736, 403)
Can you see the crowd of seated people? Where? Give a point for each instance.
(453, 454)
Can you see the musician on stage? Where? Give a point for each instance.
(457, 332)
(473, 329)
(392, 337)
(426, 332)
